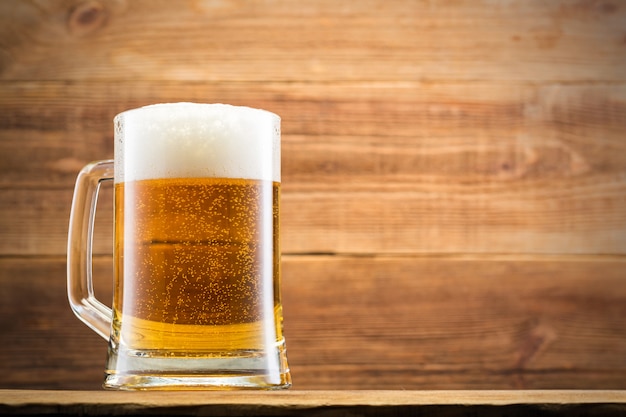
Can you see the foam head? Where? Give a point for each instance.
(184, 140)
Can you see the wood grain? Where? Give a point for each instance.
(451, 168)
(454, 179)
(371, 323)
(561, 220)
(317, 403)
(319, 41)
(445, 134)
(421, 317)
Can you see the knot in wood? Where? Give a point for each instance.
(86, 17)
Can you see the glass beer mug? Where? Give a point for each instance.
(196, 301)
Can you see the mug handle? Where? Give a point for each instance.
(79, 248)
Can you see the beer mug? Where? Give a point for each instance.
(196, 301)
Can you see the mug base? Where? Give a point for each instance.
(156, 370)
(194, 382)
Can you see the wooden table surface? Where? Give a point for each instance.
(316, 403)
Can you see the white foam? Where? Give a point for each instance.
(182, 140)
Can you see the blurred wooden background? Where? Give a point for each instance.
(454, 178)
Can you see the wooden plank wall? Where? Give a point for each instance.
(454, 178)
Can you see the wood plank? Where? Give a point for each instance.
(563, 219)
(460, 133)
(509, 169)
(44, 344)
(35, 222)
(556, 218)
(391, 221)
(428, 315)
(320, 41)
(317, 403)
(371, 323)
(410, 132)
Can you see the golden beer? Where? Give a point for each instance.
(196, 300)
(190, 260)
